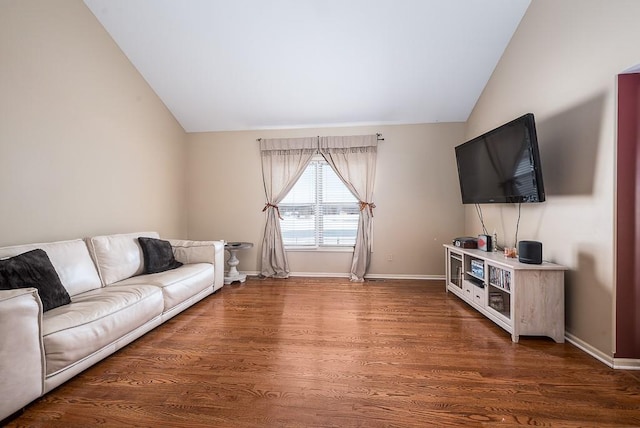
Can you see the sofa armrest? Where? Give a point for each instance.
(186, 251)
(22, 363)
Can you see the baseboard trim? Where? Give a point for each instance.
(304, 274)
(594, 352)
(401, 276)
(319, 275)
(368, 276)
(626, 364)
(375, 276)
(614, 363)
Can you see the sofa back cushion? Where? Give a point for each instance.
(71, 261)
(119, 256)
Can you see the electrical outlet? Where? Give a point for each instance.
(390, 258)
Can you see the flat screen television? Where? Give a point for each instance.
(502, 165)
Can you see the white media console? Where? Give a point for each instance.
(524, 299)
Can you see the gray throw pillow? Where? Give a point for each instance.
(158, 255)
(34, 269)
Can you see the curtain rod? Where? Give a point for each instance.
(379, 135)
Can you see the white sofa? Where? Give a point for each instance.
(112, 304)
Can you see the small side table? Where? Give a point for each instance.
(233, 274)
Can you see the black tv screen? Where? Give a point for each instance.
(502, 165)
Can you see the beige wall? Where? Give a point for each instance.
(86, 147)
(416, 193)
(561, 65)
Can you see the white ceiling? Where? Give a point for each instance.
(261, 64)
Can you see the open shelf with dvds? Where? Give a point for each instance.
(500, 290)
(500, 278)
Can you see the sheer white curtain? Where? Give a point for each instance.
(283, 162)
(354, 160)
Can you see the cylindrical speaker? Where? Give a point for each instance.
(530, 252)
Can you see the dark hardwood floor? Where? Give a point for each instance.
(331, 353)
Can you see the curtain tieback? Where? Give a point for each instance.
(268, 205)
(364, 205)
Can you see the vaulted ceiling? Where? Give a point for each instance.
(263, 64)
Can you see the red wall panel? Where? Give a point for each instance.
(628, 219)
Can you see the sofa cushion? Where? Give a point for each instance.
(34, 269)
(71, 260)
(178, 284)
(118, 257)
(158, 255)
(96, 319)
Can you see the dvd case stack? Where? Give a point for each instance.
(500, 278)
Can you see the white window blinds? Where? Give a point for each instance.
(319, 211)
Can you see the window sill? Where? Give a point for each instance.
(320, 250)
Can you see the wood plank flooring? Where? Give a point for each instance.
(331, 353)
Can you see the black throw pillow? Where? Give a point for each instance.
(158, 255)
(34, 269)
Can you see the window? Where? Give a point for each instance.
(319, 211)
